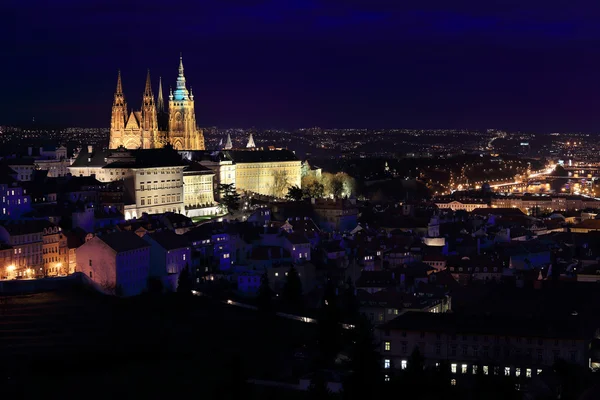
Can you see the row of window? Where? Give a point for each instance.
(164, 199)
(163, 185)
(162, 171)
(496, 339)
(486, 370)
(485, 351)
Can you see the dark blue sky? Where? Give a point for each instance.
(288, 63)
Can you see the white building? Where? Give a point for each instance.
(55, 162)
(153, 179)
(118, 262)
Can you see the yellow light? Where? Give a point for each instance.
(10, 268)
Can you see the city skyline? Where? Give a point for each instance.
(302, 64)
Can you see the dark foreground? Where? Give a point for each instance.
(77, 344)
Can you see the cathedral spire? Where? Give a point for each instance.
(148, 90)
(250, 144)
(119, 84)
(180, 65)
(161, 102)
(228, 145)
(181, 92)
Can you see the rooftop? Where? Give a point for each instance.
(494, 325)
(123, 241)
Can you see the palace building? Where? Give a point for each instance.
(153, 127)
(155, 180)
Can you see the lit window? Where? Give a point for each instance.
(528, 373)
(184, 257)
(474, 369)
(453, 368)
(403, 364)
(463, 369)
(387, 378)
(386, 363)
(387, 346)
(485, 370)
(539, 371)
(276, 273)
(517, 371)
(507, 371)
(453, 382)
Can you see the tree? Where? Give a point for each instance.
(348, 184)
(184, 282)
(292, 291)
(329, 330)
(415, 370)
(366, 378)
(312, 187)
(229, 197)
(350, 303)
(294, 193)
(264, 297)
(280, 183)
(334, 185)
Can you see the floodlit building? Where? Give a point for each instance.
(153, 127)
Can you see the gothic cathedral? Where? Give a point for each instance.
(152, 127)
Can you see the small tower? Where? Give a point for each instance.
(160, 104)
(163, 116)
(119, 115)
(228, 145)
(250, 144)
(149, 123)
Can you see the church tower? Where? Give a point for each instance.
(118, 117)
(183, 132)
(149, 124)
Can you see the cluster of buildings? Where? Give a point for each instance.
(526, 202)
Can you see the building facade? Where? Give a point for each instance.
(117, 263)
(198, 191)
(492, 345)
(152, 179)
(27, 238)
(152, 127)
(266, 172)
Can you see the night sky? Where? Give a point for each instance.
(288, 63)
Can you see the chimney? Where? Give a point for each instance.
(90, 149)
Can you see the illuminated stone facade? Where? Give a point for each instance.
(266, 172)
(152, 179)
(152, 127)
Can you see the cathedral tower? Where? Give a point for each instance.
(183, 132)
(119, 115)
(149, 123)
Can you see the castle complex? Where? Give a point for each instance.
(152, 127)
